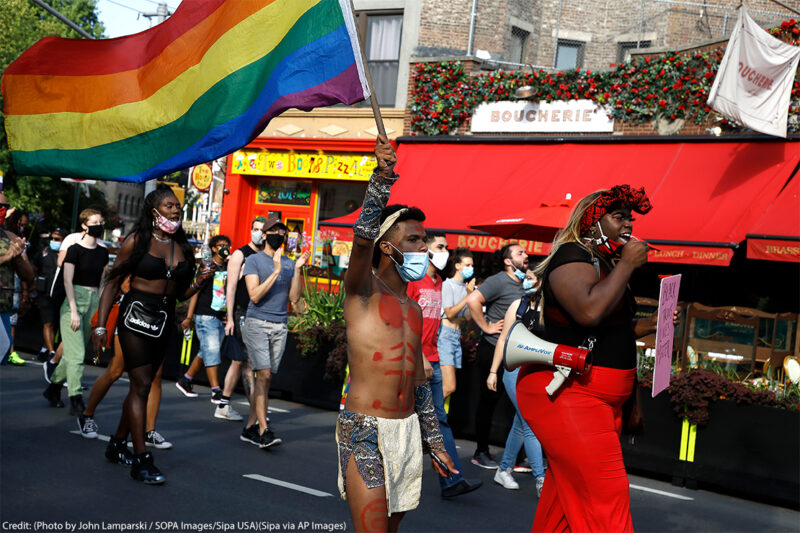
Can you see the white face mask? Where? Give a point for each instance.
(257, 237)
(439, 259)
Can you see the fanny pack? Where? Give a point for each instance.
(149, 318)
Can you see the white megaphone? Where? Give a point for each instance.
(524, 347)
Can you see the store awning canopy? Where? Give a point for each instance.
(540, 223)
(776, 235)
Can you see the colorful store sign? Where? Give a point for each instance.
(202, 176)
(284, 192)
(291, 164)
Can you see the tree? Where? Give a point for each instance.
(23, 24)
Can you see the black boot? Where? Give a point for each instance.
(76, 406)
(144, 470)
(117, 452)
(53, 395)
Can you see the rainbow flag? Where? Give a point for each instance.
(198, 86)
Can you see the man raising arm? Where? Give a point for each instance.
(389, 412)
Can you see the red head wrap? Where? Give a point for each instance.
(618, 197)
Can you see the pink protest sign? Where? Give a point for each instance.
(665, 331)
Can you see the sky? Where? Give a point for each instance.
(124, 17)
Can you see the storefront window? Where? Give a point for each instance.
(284, 192)
(339, 199)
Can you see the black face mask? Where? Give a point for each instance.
(224, 253)
(274, 240)
(95, 231)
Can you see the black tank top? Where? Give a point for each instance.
(615, 346)
(242, 298)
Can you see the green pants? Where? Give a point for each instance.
(70, 368)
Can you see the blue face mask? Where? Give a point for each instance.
(527, 286)
(519, 273)
(55, 245)
(414, 267)
(468, 272)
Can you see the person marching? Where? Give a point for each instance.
(160, 263)
(84, 265)
(207, 307)
(389, 416)
(587, 300)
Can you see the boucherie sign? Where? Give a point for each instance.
(570, 116)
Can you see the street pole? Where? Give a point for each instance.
(62, 18)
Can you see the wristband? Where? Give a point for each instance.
(100, 329)
(369, 220)
(432, 439)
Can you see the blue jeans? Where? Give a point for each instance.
(520, 434)
(210, 332)
(444, 425)
(5, 318)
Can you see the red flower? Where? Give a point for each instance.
(646, 59)
(662, 103)
(795, 31)
(709, 75)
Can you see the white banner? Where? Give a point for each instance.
(754, 81)
(561, 116)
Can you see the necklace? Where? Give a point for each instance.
(401, 300)
(159, 239)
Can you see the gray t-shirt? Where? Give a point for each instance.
(272, 307)
(499, 291)
(453, 292)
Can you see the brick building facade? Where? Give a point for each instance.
(584, 33)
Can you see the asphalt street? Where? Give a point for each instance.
(52, 479)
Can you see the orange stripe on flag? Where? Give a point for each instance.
(86, 94)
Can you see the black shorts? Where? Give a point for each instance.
(48, 310)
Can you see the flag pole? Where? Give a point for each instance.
(373, 100)
(796, 12)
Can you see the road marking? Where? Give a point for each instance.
(661, 492)
(104, 438)
(313, 492)
(270, 409)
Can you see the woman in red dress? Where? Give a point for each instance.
(586, 294)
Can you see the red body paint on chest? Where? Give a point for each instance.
(391, 311)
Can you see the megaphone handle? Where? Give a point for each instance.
(558, 379)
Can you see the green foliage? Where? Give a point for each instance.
(321, 327)
(23, 24)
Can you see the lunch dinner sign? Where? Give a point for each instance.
(560, 116)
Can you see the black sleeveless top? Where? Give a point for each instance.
(154, 268)
(242, 297)
(615, 346)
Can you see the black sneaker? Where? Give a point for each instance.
(216, 396)
(44, 354)
(268, 439)
(156, 440)
(484, 460)
(251, 435)
(49, 367)
(185, 386)
(144, 470)
(53, 395)
(87, 426)
(117, 452)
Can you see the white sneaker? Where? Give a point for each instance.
(539, 485)
(227, 412)
(154, 439)
(503, 477)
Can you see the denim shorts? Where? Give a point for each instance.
(265, 342)
(210, 332)
(449, 346)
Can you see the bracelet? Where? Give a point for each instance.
(100, 329)
(493, 372)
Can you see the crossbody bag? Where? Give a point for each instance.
(149, 318)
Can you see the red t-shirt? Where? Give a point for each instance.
(428, 294)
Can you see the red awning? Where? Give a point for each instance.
(540, 223)
(706, 195)
(776, 235)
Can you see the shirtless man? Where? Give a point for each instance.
(389, 410)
